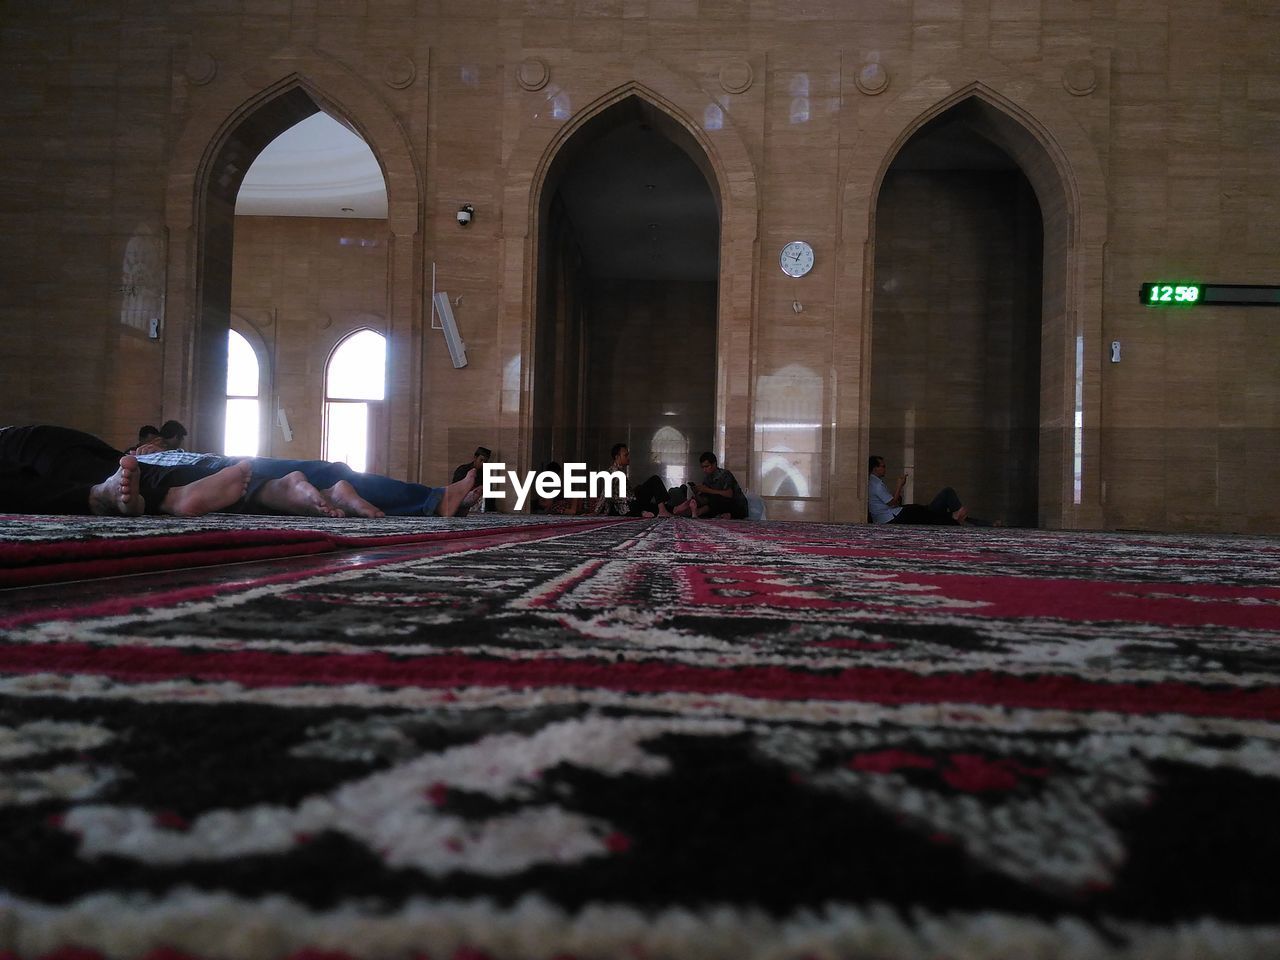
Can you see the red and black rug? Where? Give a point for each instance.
(51, 549)
(663, 739)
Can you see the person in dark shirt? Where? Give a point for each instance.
(477, 462)
(719, 494)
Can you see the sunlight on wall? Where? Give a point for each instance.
(670, 449)
(788, 433)
(800, 98)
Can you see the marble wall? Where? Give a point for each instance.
(1149, 133)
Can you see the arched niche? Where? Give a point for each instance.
(230, 122)
(722, 155)
(626, 313)
(1055, 154)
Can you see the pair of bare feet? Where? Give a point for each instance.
(294, 494)
(121, 493)
(686, 508)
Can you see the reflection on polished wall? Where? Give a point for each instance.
(789, 434)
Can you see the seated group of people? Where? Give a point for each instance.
(57, 470)
(719, 495)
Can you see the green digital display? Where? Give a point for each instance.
(1172, 294)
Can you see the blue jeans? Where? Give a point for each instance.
(397, 498)
(394, 497)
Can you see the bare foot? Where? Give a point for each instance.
(455, 493)
(472, 498)
(215, 492)
(960, 515)
(293, 494)
(663, 511)
(120, 494)
(343, 496)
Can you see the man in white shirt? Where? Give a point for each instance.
(882, 507)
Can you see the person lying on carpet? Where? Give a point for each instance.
(945, 509)
(720, 494)
(48, 469)
(320, 488)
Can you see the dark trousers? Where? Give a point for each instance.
(937, 513)
(646, 497)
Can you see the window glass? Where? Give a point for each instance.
(240, 438)
(356, 374)
(358, 368)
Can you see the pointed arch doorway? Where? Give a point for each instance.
(969, 338)
(255, 130)
(625, 317)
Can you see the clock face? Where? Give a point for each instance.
(796, 258)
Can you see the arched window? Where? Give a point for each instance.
(241, 439)
(671, 451)
(355, 381)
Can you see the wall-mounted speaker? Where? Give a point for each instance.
(457, 349)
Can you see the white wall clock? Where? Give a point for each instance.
(796, 258)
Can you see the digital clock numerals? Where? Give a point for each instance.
(1171, 293)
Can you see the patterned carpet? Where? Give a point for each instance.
(646, 740)
(50, 549)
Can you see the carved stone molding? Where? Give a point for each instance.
(736, 76)
(399, 73)
(533, 73)
(872, 79)
(201, 68)
(1079, 78)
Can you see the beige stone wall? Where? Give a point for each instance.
(300, 286)
(1155, 126)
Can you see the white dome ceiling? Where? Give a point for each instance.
(316, 168)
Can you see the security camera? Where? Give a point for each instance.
(464, 214)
